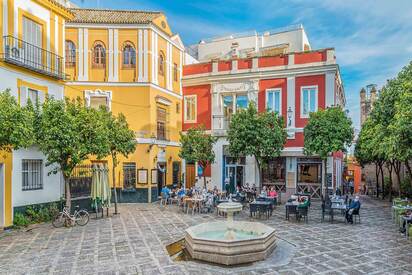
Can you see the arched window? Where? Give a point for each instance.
(70, 54)
(129, 55)
(161, 64)
(99, 54)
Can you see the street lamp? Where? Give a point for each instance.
(290, 114)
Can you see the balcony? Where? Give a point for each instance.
(220, 124)
(31, 57)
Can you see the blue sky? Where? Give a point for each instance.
(372, 38)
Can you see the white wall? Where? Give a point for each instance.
(52, 184)
(222, 46)
(9, 81)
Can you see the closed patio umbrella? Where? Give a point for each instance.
(96, 186)
(105, 187)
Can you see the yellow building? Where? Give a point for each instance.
(131, 62)
(31, 65)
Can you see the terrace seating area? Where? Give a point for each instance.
(402, 215)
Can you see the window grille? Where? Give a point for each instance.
(32, 174)
(129, 175)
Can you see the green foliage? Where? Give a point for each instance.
(386, 136)
(327, 131)
(20, 220)
(35, 214)
(197, 146)
(258, 134)
(16, 124)
(68, 133)
(406, 187)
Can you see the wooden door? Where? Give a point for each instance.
(190, 175)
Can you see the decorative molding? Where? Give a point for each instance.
(88, 94)
(163, 100)
(245, 86)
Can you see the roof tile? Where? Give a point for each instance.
(105, 16)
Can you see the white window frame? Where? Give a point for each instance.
(235, 96)
(185, 108)
(301, 99)
(29, 172)
(88, 94)
(274, 90)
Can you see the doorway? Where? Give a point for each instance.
(2, 204)
(161, 176)
(236, 175)
(190, 175)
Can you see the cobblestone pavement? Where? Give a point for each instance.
(134, 243)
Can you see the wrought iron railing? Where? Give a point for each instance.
(220, 122)
(23, 54)
(81, 181)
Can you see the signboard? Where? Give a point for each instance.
(142, 176)
(154, 176)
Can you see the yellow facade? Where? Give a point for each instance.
(139, 87)
(137, 90)
(20, 70)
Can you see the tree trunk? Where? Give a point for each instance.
(67, 192)
(259, 174)
(389, 166)
(114, 183)
(382, 179)
(408, 167)
(204, 177)
(377, 179)
(325, 180)
(397, 168)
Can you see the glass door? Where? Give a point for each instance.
(231, 175)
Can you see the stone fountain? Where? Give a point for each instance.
(230, 242)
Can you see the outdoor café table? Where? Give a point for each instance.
(291, 207)
(407, 220)
(338, 206)
(261, 205)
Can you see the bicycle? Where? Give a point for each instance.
(80, 217)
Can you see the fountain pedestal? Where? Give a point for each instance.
(230, 242)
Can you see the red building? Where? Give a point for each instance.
(280, 73)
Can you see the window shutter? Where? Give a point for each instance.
(42, 97)
(23, 95)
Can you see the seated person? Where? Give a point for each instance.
(354, 205)
(273, 193)
(254, 189)
(264, 192)
(181, 193)
(338, 193)
(166, 191)
(408, 215)
(303, 201)
(238, 190)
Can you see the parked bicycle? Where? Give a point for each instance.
(80, 217)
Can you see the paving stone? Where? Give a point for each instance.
(134, 243)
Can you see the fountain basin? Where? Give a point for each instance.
(251, 242)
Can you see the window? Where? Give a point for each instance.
(190, 108)
(32, 174)
(33, 95)
(273, 100)
(161, 123)
(161, 64)
(177, 108)
(275, 171)
(70, 54)
(175, 72)
(32, 34)
(129, 175)
(99, 55)
(129, 55)
(232, 103)
(308, 101)
(309, 173)
(97, 101)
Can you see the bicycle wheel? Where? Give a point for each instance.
(82, 217)
(59, 220)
